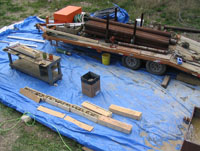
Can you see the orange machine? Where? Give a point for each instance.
(66, 15)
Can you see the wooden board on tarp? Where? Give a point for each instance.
(125, 112)
(51, 112)
(96, 109)
(30, 95)
(188, 79)
(115, 124)
(78, 123)
(165, 82)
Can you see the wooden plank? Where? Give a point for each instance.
(78, 123)
(125, 112)
(86, 149)
(188, 79)
(96, 109)
(30, 95)
(165, 82)
(51, 112)
(114, 124)
(72, 36)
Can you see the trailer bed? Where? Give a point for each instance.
(167, 59)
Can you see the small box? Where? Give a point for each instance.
(66, 15)
(90, 84)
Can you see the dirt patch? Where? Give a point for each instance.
(8, 138)
(171, 145)
(184, 98)
(29, 129)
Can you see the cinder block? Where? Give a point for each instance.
(37, 93)
(51, 101)
(96, 109)
(115, 124)
(125, 112)
(84, 112)
(64, 107)
(30, 95)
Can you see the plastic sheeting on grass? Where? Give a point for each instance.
(122, 15)
(163, 109)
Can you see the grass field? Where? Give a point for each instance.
(179, 12)
(39, 138)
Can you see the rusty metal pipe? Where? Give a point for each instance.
(141, 22)
(182, 29)
(139, 34)
(142, 47)
(149, 30)
(134, 31)
(107, 28)
(115, 14)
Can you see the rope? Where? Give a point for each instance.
(27, 124)
(78, 18)
(18, 121)
(62, 139)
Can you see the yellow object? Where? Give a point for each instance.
(106, 58)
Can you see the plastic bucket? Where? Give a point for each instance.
(106, 58)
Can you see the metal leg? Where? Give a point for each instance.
(10, 58)
(59, 68)
(107, 29)
(50, 75)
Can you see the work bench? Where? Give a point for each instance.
(43, 69)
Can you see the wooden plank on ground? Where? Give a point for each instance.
(114, 124)
(96, 109)
(78, 123)
(125, 112)
(51, 112)
(165, 82)
(30, 95)
(188, 79)
(86, 149)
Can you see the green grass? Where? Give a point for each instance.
(164, 12)
(34, 138)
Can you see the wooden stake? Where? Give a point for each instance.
(165, 81)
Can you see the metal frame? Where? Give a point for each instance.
(50, 78)
(125, 51)
(188, 145)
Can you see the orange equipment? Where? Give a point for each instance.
(66, 15)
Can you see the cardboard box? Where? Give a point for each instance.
(66, 15)
(90, 84)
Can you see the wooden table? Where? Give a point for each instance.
(37, 67)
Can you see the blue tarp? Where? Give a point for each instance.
(122, 15)
(162, 109)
